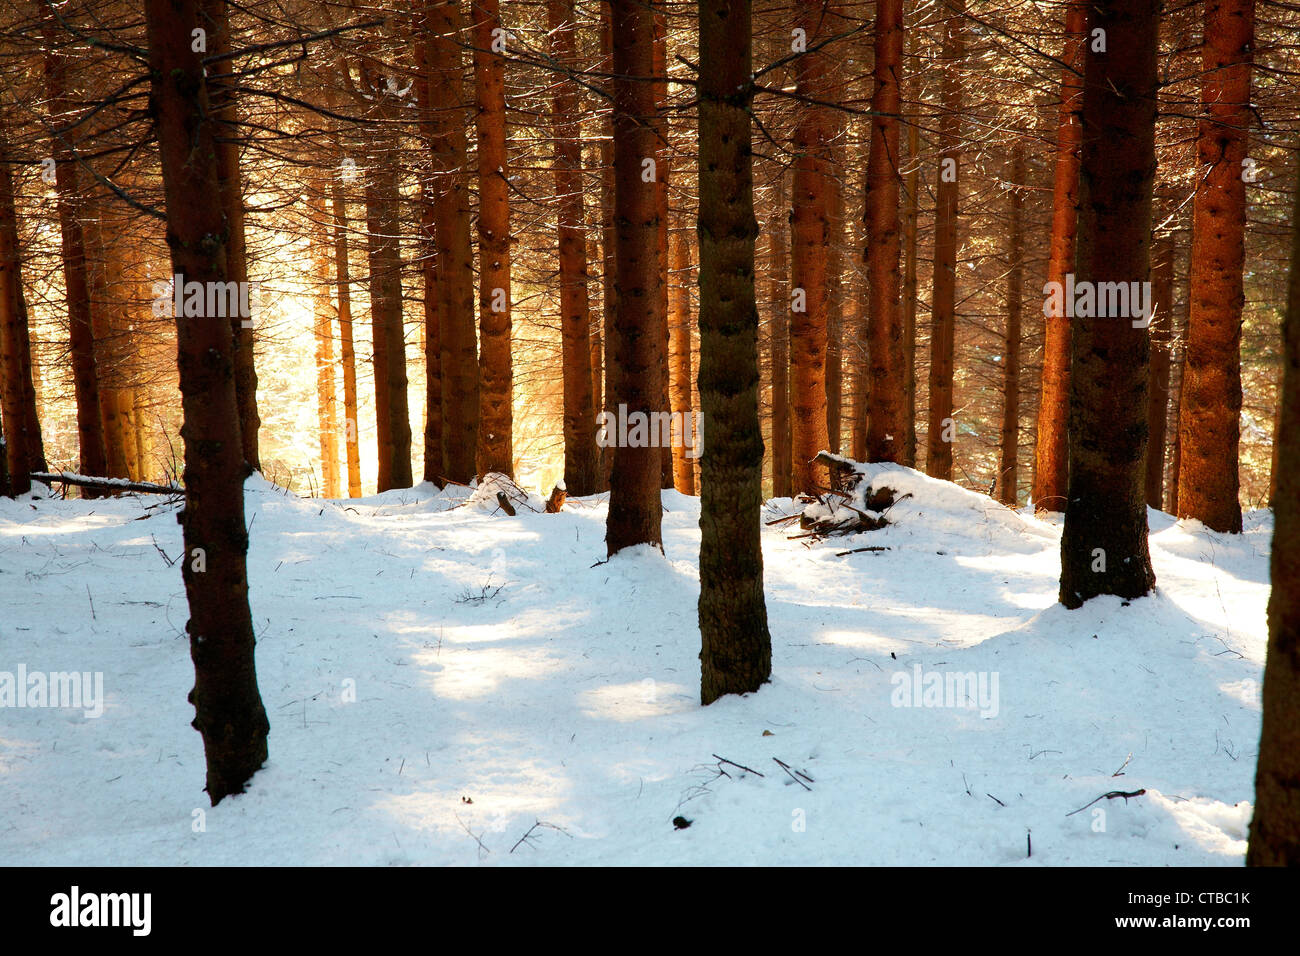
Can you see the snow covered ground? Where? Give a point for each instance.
(439, 681)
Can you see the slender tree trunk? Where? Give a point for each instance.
(111, 325)
(911, 210)
(1177, 361)
(22, 435)
(809, 237)
(888, 415)
(347, 355)
(383, 226)
(1050, 449)
(637, 340)
(496, 376)
(856, 350)
(458, 348)
(581, 476)
(1275, 829)
(835, 290)
(609, 239)
(942, 429)
(215, 18)
(1211, 404)
(679, 363)
(663, 168)
(736, 654)
(780, 298)
(1104, 544)
(1008, 466)
(72, 212)
(1162, 293)
(326, 399)
(228, 708)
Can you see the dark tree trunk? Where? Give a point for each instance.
(1050, 450)
(581, 475)
(1008, 466)
(888, 412)
(736, 654)
(1104, 544)
(1275, 829)
(1162, 296)
(942, 429)
(637, 340)
(1211, 402)
(228, 708)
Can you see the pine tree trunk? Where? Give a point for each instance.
(326, 399)
(835, 290)
(663, 169)
(942, 430)
(1008, 466)
(111, 324)
(608, 236)
(347, 355)
(1050, 449)
(911, 210)
(1211, 403)
(637, 341)
(779, 296)
(228, 708)
(679, 363)
(22, 436)
(1104, 544)
(72, 212)
(581, 476)
(736, 651)
(1162, 296)
(809, 237)
(888, 415)
(1275, 829)
(215, 18)
(496, 376)
(458, 348)
(383, 227)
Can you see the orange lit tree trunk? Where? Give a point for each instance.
(809, 236)
(1104, 543)
(637, 339)
(888, 413)
(496, 377)
(679, 363)
(1008, 466)
(736, 648)
(1275, 829)
(1162, 295)
(326, 400)
(215, 18)
(22, 434)
(581, 476)
(663, 164)
(458, 348)
(911, 210)
(1211, 402)
(942, 430)
(347, 355)
(608, 235)
(72, 212)
(107, 237)
(779, 296)
(1050, 447)
(228, 709)
(835, 290)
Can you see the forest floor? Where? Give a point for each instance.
(460, 687)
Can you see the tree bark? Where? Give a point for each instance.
(911, 210)
(228, 708)
(888, 415)
(1008, 466)
(809, 237)
(1162, 296)
(679, 363)
(637, 339)
(1104, 544)
(1050, 449)
(1211, 402)
(779, 295)
(326, 397)
(1275, 829)
(347, 355)
(581, 475)
(942, 431)
(496, 375)
(736, 651)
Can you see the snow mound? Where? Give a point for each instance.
(485, 497)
